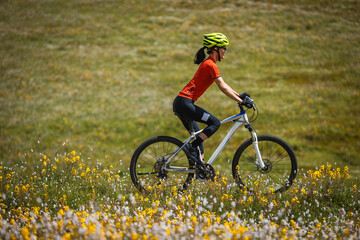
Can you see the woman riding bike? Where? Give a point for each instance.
(207, 73)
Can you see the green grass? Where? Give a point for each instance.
(100, 77)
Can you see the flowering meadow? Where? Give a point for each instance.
(103, 75)
(62, 198)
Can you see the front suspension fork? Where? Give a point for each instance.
(258, 162)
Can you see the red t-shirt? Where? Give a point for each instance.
(203, 78)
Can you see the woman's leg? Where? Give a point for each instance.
(186, 108)
(213, 124)
(194, 127)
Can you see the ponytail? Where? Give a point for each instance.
(200, 56)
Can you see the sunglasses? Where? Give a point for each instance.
(224, 48)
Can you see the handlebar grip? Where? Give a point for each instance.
(248, 102)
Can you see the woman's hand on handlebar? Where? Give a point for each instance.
(243, 95)
(246, 100)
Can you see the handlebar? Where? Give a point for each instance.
(241, 107)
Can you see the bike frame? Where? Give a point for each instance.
(240, 120)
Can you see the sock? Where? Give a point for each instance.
(197, 142)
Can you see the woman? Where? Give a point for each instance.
(207, 74)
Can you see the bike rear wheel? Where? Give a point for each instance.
(277, 155)
(148, 160)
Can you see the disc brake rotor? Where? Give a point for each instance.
(268, 165)
(158, 168)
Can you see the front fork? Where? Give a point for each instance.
(258, 162)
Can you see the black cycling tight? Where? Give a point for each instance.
(185, 109)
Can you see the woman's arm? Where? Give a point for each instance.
(227, 90)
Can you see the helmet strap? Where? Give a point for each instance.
(209, 50)
(217, 50)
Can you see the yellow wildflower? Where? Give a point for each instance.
(303, 191)
(66, 236)
(25, 233)
(61, 212)
(318, 226)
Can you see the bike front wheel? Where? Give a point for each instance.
(279, 159)
(147, 165)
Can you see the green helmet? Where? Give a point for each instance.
(215, 39)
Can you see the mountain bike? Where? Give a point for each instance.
(261, 163)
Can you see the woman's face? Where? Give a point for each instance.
(222, 52)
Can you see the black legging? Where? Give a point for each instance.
(185, 109)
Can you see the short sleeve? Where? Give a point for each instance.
(213, 71)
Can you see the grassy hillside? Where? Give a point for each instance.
(99, 77)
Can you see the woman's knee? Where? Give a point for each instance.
(213, 126)
(215, 122)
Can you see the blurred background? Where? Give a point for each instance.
(99, 77)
